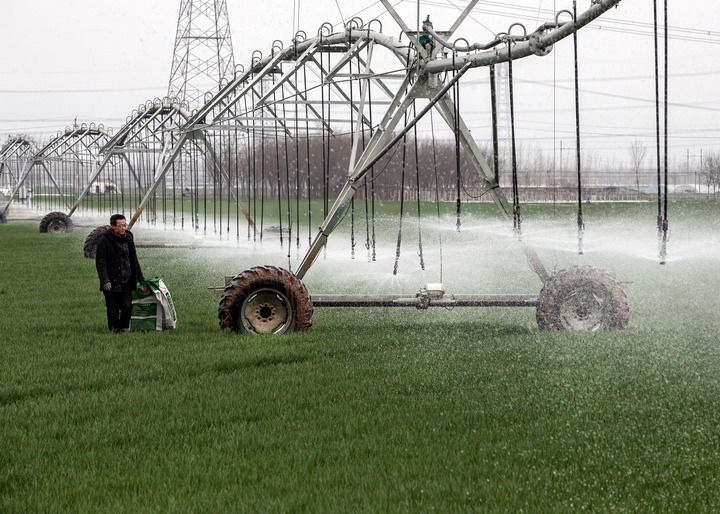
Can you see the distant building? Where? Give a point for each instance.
(104, 187)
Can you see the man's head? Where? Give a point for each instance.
(118, 224)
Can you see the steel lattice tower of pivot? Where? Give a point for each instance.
(203, 54)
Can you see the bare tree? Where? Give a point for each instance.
(638, 151)
(711, 172)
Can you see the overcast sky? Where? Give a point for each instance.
(97, 60)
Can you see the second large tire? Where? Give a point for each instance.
(265, 300)
(582, 299)
(91, 241)
(56, 222)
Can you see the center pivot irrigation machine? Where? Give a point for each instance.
(279, 130)
(268, 299)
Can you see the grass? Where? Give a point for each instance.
(387, 410)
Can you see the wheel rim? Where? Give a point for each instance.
(583, 308)
(56, 226)
(266, 311)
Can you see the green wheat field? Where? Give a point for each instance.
(373, 410)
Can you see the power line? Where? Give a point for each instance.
(703, 107)
(624, 26)
(615, 78)
(64, 91)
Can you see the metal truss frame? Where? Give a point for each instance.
(142, 132)
(244, 104)
(64, 147)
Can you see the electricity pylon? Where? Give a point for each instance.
(203, 53)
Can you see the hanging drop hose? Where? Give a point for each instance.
(352, 140)
(297, 181)
(328, 150)
(307, 158)
(174, 189)
(250, 143)
(277, 170)
(195, 174)
(288, 207)
(297, 166)
(367, 205)
(218, 147)
(456, 129)
(372, 180)
(402, 200)
(262, 171)
(237, 183)
(417, 187)
(665, 227)
(580, 223)
(516, 197)
(254, 184)
(657, 125)
(493, 106)
(326, 206)
(322, 134)
(230, 166)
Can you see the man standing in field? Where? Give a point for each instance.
(119, 271)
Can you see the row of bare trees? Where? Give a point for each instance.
(711, 173)
(709, 167)
(317, 167)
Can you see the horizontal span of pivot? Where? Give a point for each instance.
(447, 300)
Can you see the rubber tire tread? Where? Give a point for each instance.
(56, 215)
(261, 277)
(91, 241)
(615, 317)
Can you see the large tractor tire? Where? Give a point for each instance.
(582, 299)
(91, 241)
(56, 222)
(265, 300)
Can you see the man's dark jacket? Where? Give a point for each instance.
(116, 261)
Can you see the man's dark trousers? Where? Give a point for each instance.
(119, 309)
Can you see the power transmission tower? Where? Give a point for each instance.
(203, 53)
